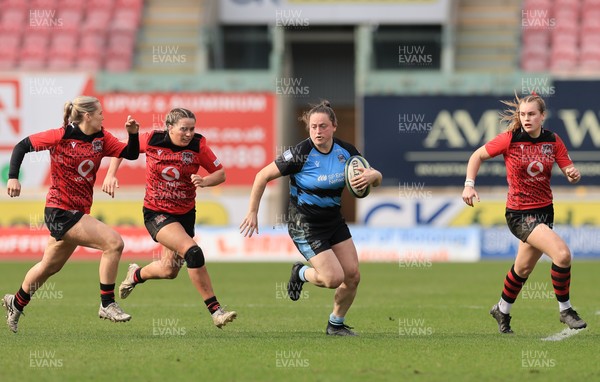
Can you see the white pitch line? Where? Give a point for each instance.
(566, 333)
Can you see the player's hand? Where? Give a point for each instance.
(249, 225)
(361, 181)
(132, 126)
(469, 194)
(573, 175)
(13, 187)
(110, 184)
(198, 181)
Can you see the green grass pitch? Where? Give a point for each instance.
(419, 322)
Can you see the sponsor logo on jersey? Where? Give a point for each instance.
(287, 155)
(535, 168)
(85, 167)
(217, 162)
(170, 174)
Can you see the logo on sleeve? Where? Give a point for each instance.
(287, 155)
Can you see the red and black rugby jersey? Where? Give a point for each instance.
(169, 170)
(74, 160)
(529, 163)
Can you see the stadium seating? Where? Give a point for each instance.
(68, 34)
(571, 36)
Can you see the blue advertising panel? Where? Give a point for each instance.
(498, 243)
(428, 140)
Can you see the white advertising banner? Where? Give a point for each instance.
(412, 209)
(407, 247)
(302, 13)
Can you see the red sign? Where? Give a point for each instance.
(239, 128)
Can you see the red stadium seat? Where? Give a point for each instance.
(570, 38)
(60, 63)
(590, 5)
(563, 59)
(71, 4)
(88, 63)
(97, 20)
(35, 43)
(8, 62)
(541, 37)
(590, 44)
(15, 4)
(32, 62)
(537, 4)
(91, 44)
(14, 19)
(71, 18)
(567, 4)
(536, 64)
(121, 41)
(101, 4)
(126, 20)
(43, 4)
(130, 4)
(63, 45)
(118, 64)
(10, 41)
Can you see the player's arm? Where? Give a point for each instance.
(132, 150)
(369, 176)
(572, 173)
(209, 180)
(477, 158)
(111, 183)
(264, 176)
(564, 162)
(16, 159)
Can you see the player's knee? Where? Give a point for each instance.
(333, 281)
(563, 257)
(194, 257)
(352, 279)
(114, 243)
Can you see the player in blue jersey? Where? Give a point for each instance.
(315, 223)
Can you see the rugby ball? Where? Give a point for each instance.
(351, 170)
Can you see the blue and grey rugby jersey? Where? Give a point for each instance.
(316, 179)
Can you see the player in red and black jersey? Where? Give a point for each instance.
(530, 152)
(76, 150)
(173, 158)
